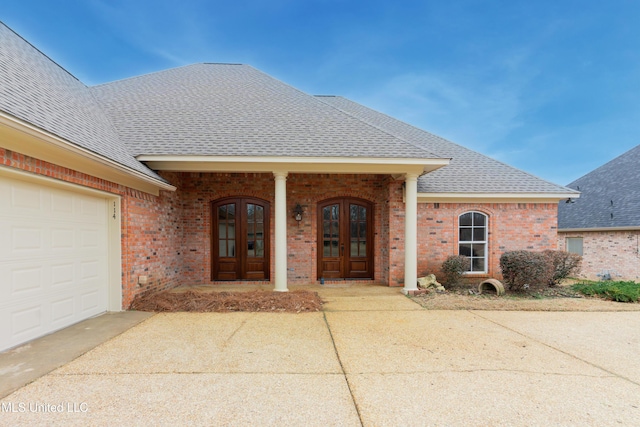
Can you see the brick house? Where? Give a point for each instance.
(603, 225)
(218, 173)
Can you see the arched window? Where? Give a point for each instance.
(472, 240)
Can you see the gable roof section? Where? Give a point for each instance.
(236, 110)
(468, 171)
(36, 90)
(610, 196)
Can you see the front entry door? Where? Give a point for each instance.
(345, 239)
(240, 239)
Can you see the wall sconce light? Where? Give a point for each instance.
(297, 212)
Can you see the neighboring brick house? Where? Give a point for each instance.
(218, 173)
(603, 225)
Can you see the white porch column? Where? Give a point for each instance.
(411, 234)
(281, 231)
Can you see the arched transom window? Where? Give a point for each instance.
(472, 240)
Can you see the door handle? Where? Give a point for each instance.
(342, 249)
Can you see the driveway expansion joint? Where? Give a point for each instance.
(573, 356)
(344, 374)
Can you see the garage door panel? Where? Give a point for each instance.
(63, 275)
(47, 241)
(89, 209)
(26, 322)
(26, 280)
(26, 238)
(89, 270)
(89, 239)
(62, 311)
(61, 204)
(26, 198)
(53, 259)
(62, 238)
(39, 313)
(90, 302)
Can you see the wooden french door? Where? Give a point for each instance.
(345, 239)
(240, 239)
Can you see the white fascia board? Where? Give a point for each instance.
(369, 165)
(24, 138)
(582, 230)
(495, 197)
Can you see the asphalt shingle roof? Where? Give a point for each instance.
(469, 171)
(229, 110)
(236, 110)
(610, 196)
(35, 89)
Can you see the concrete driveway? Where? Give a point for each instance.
(372, 358)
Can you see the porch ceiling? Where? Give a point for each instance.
(347, 165)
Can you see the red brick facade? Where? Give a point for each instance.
(168, 237)
(512, 226)
(614, 252)
(198, 190)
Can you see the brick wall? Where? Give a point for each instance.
(152, 240)
(615, 252)
(198, 190)
(150, 228)
(512, 226)
(168, 237)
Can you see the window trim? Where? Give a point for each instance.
(485, 241)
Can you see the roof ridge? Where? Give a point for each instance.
(368, 123)
(166, 70)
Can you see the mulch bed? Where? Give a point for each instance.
(298, 301)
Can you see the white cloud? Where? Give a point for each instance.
(459, 106)
(177, 35)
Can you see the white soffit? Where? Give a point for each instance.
(348, 165)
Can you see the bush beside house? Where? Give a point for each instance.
(528, 269)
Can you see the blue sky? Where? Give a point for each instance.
(550, 87)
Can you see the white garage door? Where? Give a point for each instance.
(53, 259)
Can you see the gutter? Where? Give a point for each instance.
(38, 133)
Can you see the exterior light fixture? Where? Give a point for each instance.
(297, 212)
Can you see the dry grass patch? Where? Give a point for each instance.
(297, 301)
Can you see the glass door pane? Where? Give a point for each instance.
(331, 230)
(255, 231)
(358, 230)
(227, 230)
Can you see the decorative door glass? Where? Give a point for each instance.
(331, 230)
(358, 230)
(227, 230)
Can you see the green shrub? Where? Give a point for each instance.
(522, 269)
(563, 264)
(453, 268)
(615, 291)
